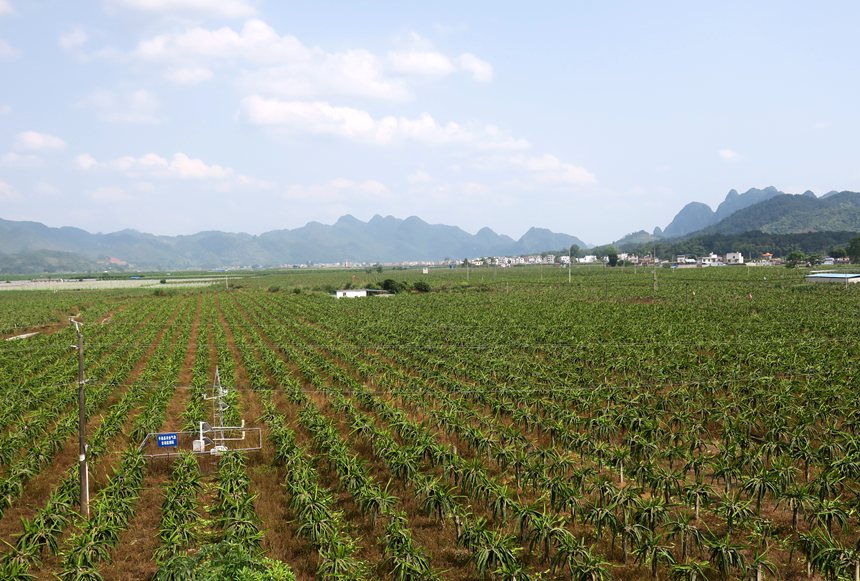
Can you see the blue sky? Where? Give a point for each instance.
(591, 118)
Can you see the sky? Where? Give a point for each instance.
(591, 118)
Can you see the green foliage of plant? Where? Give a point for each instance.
(393, 286)
(223, 560)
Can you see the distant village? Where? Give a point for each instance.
(623, 259)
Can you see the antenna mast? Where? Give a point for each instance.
(219, 405)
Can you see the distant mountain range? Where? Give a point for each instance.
(696, 215)
(767, 210)
(34, 247)
(752, 220)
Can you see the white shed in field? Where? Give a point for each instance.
(350, 293)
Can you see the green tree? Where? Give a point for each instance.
(794, 258)
(853, 250)
(612, 256)
(393, 286)
(837, 252)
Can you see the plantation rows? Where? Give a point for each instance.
(707, 429)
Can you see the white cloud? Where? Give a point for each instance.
(214, 8)
(419, 57)
(354, 73)
(280, 65)
(188, 75)
(85, 161)
(549, 169)
(132, 107)
(257, 43)
(322, 118)
(34, 141)
(12, 159)
(6, 7)
(374, 187)
(728, 154)
(427, 63)
(283, 65)
(5, 109)
(190, 168)
(7, 192)
(7, 51)
(179, 167)
(480, 70)
(75, 38)
(110, 194)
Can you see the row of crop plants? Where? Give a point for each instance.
(724, 506)
(490, 551)
(755, 486)
(403, 557)
(312, 504)
(113, 507)
(228, 543)
(46, 528)
(22, 311)
(38, 370)
(106, 373)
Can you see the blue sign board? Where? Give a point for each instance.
(166, 440)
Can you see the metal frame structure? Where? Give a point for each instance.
(186, 442)
(209, 439)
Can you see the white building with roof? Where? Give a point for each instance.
(734, 258)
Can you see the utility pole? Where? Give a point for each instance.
(82, 422)
(654, 257)
(568, 264)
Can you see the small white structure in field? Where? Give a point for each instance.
(840, 277)
(351, 293)
(734, 258)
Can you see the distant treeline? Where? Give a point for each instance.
(750, 244)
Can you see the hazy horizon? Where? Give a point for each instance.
(179, 116)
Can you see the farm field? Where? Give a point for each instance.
(509, 424)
